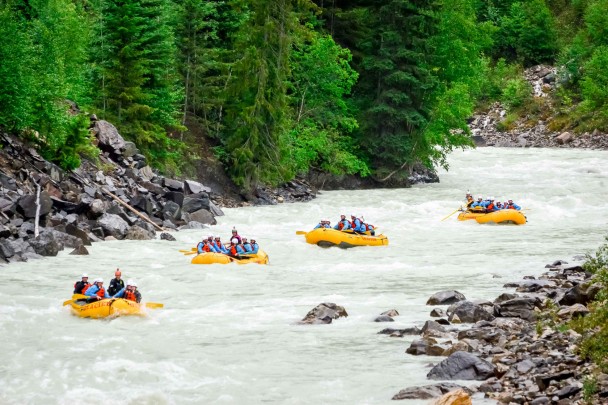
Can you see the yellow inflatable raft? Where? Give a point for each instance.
(497, 217)
(111, 307)
(326, 237)
(219, 258)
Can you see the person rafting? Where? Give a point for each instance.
(82, 284)
(219, 246)
(116, 284)
(323, 224)
(96, 291)
(357, 225)
(129, 292)
(343, 224)
(247, 246)
(205, 247)
(478, 203)
(512, 206)
(254, 247)
(470, 200)
(236, 235)
(235, 248)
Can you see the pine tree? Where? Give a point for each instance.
(137, 73)
(259, 114)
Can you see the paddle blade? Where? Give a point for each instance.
(301, 232)
(190, 253)
(66, 302)
(154, 305)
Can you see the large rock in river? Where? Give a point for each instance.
(324, 313)
(427, 391)
(445, 298)
(462, 366)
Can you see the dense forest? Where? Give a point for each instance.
(282, 87)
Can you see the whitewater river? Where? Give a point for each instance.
(228, 333)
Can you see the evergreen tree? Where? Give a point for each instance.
(205, 32)
(259, 114)
(137, 73)
(42, 65)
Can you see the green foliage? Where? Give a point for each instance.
(516, 93)
(508, 123)
(137, 77)
(206, 31)
(594, 326)
(321, 79)
(594, 85)
(527, 33)
(590, 388)
(258, 114)
(598, 261)
(43, 53)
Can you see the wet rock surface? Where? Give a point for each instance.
(518, 351)
(524, 132)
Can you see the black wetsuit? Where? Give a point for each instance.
(116, 285)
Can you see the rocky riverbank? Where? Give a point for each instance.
(44, 209)
(514, 344)
(491, 127)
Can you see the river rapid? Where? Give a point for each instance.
(228, 333)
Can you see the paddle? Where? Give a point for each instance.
(151, 305)
(458, 209)
(190, 253)
(301, 232)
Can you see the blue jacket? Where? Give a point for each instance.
(247, 247)
(359, 226)
(346, 225)
(92, 290)
(319, 225)
(199, 248)
(219, 248)
(515, 206)
(254, 248)
(477, 204)
(239, 250)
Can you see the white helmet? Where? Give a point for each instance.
(132, 283)
(98, 280)
(209, 236)
(234, 240)
(491, 198)
(479, 197)
(84, 275)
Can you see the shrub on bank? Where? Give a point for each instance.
(594, 326)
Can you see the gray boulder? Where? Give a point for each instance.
(174, 185)
(384, 318)
(521, 307)
(324, 314)
(445, 298)
(462, 366)
(113, 225)
(109, 138)
(27, 204)
(468, 312)
(428, 391)
(74, 230)
(203, 216)
(167, 236)
(80, 251)
(194, 187)
(6, 249)
(138, 233)
(195, 202)
(46, 244)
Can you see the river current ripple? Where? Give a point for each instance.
(228, 334)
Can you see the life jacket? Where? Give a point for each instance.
(206, 248)
(82, 286)
(368, 227)
(130, 295)
(233, 251)
(490, 207)
(341, 225)
(101, 293)
(85, 288)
